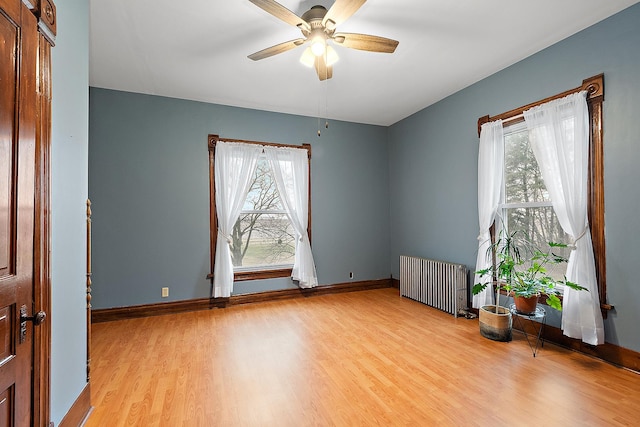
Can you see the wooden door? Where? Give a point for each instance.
(18, 78)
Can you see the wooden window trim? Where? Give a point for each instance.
(212, 140)
(594, 86)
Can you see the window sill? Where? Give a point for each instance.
(258, 275)
(263, 274)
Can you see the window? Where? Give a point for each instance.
(525, 204)
(263, 237)
(262, 241)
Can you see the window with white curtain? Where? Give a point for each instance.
(262, 241)
(524, 202)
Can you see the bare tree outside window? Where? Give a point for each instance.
(263, 235)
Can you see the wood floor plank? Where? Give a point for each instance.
(361, 358)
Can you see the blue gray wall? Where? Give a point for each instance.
(433, 158)
(149, 187)
(377, 192)
(69, 188)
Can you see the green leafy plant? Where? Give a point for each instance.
(520, 269)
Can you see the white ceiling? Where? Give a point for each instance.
(198, 50)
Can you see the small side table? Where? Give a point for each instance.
(537, 317)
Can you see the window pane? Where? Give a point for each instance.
(263, 235)
(540, 226)
(263, 240)
(263, 194)
(523, 180)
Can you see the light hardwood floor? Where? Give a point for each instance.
(353, 359)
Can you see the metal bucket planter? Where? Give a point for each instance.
(495, 325)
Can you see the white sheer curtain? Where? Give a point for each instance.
(235, 164)
(490, 187)
(559, 136)
(291, 172)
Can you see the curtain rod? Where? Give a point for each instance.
(517, 117)
(212, 139)
(276, 144)
(594, 86)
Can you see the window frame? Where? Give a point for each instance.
(594, 86)
(239, 276)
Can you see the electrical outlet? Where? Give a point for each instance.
(351, 275)
(165, 292)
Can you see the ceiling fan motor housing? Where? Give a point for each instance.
(315, 15)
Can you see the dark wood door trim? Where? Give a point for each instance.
(45, 12)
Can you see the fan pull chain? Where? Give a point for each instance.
(326, 90)
(319, 106)
(319, 94)
(326, 93)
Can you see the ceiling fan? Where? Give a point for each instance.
(318, 26)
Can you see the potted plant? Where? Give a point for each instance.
(520, 270)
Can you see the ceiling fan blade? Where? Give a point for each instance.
(324, 72)
(340, 12)
(274, 50)
(365, 42)
(282, 13)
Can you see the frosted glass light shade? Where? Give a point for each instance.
(308, 58)
(332, 56)
(318, 46)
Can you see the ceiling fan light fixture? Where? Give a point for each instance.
(318, 25)
(332, 56)
(308, 59)
(318, 46)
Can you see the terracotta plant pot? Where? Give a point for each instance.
(495, 325)
(526, 305)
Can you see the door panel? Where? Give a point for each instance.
(6, 338)
(6, 408)
(18, 55)
(8, 106)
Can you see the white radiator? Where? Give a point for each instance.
(438, 284)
